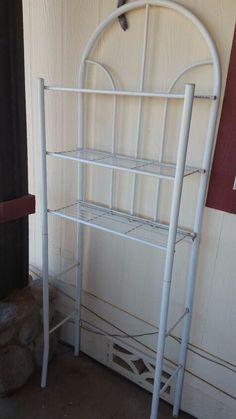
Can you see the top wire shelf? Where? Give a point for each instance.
(125, 163)
(164, 95)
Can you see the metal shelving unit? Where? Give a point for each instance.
(127, 225)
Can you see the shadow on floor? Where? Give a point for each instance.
(80, 389)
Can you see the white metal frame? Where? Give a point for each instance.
(107, 218)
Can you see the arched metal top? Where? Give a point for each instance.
(161, 3)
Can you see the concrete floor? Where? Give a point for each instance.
(80, 389)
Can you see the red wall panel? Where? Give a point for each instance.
(221, 195)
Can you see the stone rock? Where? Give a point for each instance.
(21, 338)
(16, 366)
(7, 335)
(36, 287)
(16, 308)
(38, 350)
(30, 328)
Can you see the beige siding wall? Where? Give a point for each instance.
(122, 280)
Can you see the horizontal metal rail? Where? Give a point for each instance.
(62, 322)
(126, 93)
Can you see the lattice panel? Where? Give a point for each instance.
(138, 367)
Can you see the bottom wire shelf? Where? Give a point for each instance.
(125, 225)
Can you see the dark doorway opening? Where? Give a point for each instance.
(13, 152)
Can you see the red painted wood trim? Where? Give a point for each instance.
(17, 208)
(221, 195)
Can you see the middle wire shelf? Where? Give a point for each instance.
(125, 163)
(122, 224)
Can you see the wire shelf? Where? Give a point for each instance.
(125, 163)
(125, 225)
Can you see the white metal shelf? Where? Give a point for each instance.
(124, 163)
(119, 223)
(127, 225)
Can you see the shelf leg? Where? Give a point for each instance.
(186, 326)
(44, 226)
(45, 313)
(175, 207)
(80, 193)
(78, 293)
(160, 349)
(194, 254)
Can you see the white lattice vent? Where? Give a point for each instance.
(138, 367)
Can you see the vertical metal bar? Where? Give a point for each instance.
(158, 182)
(175, 207)
(80, 193)
(44, 226)
(140, 101)
(113, 147)
(101, 66)
(78, 290)
(193, 257)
